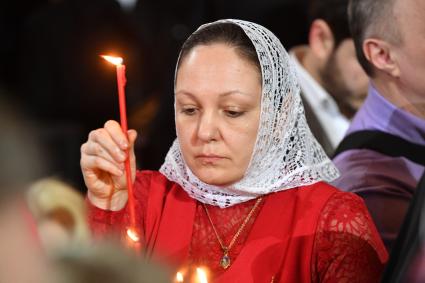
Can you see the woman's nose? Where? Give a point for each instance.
(208, 128)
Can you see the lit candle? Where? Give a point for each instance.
(121, 80)
(179, 277)
(202, 275)
(133, 235)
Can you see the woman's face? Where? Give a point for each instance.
(218, 103)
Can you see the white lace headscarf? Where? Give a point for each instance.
(286, 154)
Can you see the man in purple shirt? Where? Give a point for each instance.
(390, 38)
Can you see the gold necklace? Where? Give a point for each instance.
(225, 259)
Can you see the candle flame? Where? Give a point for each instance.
(202, 275)
(113, 60)
(179, 277)
(132, 235)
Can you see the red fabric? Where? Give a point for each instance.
(309, 234)
(345, 225)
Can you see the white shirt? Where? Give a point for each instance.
(334, 123)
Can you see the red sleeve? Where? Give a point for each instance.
(105, 223)
(347, 246)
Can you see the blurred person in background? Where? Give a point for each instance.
(333, 84)
(60, 213)
(382, 157)
(47, 216)
(105, 263)
(22, 258)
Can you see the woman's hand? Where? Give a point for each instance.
(103, 165)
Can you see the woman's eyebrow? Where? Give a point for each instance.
(187, 94)
(232, 92)
(227, 93)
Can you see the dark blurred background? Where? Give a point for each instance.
(50, 65)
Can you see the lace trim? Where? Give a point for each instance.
(347, 247)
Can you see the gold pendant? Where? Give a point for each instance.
(225, 261)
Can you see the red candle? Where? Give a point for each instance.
(121, 80)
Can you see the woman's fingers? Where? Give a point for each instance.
(132, 135)
(106, 144)
(115, 131)
(95, 149)
(103, 164)
(106, 150)
(91, 162)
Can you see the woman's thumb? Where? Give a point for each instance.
(132, 135)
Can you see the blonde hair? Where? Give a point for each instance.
(53, 199)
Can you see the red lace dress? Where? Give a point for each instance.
(328, 235)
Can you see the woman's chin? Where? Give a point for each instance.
(217, 177)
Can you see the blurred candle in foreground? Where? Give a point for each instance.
(179, 277)
(121, 80)
(202, 276)
(132, 235)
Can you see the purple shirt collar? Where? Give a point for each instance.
(377, 113)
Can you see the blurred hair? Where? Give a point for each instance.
(54, 200)
(227, 33)
(372, 18)
(106, 264)
(334, 13)
(20, 161)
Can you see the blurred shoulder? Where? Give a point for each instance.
(363, 170)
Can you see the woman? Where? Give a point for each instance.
(241, 190)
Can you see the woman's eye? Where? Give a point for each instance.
(189, 111)
(233, 114)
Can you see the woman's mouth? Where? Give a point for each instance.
(209, 158)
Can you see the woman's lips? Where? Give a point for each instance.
(209, 158)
